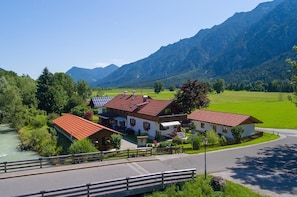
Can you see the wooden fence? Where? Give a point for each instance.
(124, 186)
(72, 159)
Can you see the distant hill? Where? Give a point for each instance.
(251, 45)
(91, 75)
(1, 69)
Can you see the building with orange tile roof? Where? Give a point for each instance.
(222, 122)
(143, 115)
(76, 128)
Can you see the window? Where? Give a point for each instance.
(146, 126)
(214, 128)
(202, 125)
(225, 130)
(105, 140)
(132, 122)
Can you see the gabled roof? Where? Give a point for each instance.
(78, 127)
(138, 104)
(154, 107)
(222, 118)
(100, 101)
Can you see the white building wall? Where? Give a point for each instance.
(138, 127)
(154, 126)
(249, 129)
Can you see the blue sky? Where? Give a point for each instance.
(59, 34)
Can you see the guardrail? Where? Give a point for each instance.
(43, 162)
(124, 186)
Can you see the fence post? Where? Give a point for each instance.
(193, 173)
(40, 162)
(127, 183)
(128, 152)
(5, 166)
(163, 186)
(151, 151)
(101, 155)
(88, 189)
(42, 193)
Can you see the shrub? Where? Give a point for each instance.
(39, 121)
(164, 144)
(82, 146)
(88, 115)
(212, 137)
(237, 133)
(223, 140)
(116, 141)
(196, 144)
(177, 140)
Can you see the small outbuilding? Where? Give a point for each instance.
(222, 122)
(76, 128)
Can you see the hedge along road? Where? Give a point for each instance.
(269, 168)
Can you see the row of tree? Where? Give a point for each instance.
(22, 98)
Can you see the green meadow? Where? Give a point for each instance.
(273, 109)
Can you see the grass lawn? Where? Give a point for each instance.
(265, 138)
(272, 108)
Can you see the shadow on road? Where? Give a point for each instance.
(273, 169)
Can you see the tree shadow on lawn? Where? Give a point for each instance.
(273, 169)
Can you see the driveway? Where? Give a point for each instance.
(126, 144)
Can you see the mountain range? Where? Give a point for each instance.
(248, 46)
(91, 75)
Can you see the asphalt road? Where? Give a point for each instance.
(269, 168)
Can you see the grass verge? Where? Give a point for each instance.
(201, 187)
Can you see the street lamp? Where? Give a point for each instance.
(205, 140)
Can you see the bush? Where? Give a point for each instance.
(223, 140)
(39, 121)
(177, 140)
(116, 141)
(196, 144)
(82, 146)
(164, 144)
(237, 133)
(212, 137)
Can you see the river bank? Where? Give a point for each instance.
(9, 141)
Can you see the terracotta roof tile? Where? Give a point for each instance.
(78, 127)
(138, 103)
(154, 107)
(222, 118)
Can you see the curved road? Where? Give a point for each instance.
(268, 168)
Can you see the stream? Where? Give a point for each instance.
(9, 140)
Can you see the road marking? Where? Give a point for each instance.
(137, 168)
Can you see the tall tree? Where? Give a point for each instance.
(158, 87)
(192, 95)
(43, 94)
(28, 88)
(293, 63)
(219, 85)
(66, 82)
(84, 89)
(11, 106)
